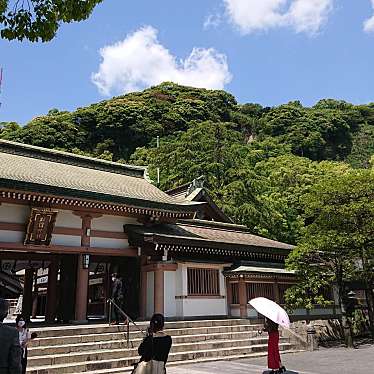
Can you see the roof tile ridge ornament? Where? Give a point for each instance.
(196, 183)
(53, 155)
(146, 175)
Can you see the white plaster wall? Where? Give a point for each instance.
(14, 213)
(199, 306)
(11, 236)
(66, 218)
(204, 307)
(67, 240)
(150, 294)
(112, 223)
(170, 306)
(108, 243)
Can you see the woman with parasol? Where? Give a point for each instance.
(274, 316)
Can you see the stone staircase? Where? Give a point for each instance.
(102, 349)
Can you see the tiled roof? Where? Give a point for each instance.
(206, 232)
(228, 233)
(29, 168)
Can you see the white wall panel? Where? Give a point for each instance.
(66, 218)
(14, 213)
(12, 236)
(204, 307)
(111, 223)
(67, 240)
(170, 306)
(108, 243)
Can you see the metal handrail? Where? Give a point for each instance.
(128, 318)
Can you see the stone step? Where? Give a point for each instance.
(178, 346)
(70, 330)
(101, 353)
(129, 369)
(175, 357)
(40, 350)
(134, 334)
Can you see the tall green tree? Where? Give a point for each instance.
(39, 20)
(338, 245)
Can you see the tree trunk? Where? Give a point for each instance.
(346, 325)
(370, 302)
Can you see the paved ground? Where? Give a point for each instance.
(323, 361)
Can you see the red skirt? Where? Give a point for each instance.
(274, 360)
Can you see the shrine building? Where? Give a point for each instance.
(67, 222)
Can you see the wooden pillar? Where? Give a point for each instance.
(35, 296)
(276, 291)
(27, 294)
(143, 288)
(243, 298)
(51, 307)
(35, 302)
(81, 293)
(228, 296)
(159, 290)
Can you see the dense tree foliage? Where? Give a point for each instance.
(36, 20)
(338, 245)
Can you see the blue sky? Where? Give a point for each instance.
(285, 51)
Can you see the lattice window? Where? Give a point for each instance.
(234, 293)
(260, 290)
(203, 282)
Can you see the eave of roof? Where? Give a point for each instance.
(179, 235)
(259, 269)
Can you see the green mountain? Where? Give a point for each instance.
(258, 162)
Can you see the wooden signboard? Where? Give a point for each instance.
(40, 226)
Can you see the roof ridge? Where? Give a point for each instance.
(53, 155)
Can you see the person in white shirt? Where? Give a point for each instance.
(24, 338)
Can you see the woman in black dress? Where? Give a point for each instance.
(156, 346)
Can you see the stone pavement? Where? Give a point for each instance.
(323, 361)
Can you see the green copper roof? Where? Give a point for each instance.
(34, 169)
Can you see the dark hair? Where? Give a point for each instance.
(19, 318)
(4, 307)
(157, 322)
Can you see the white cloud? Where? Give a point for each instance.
(212, 21)
(260, 15)
(369, 23)
(140, 61)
